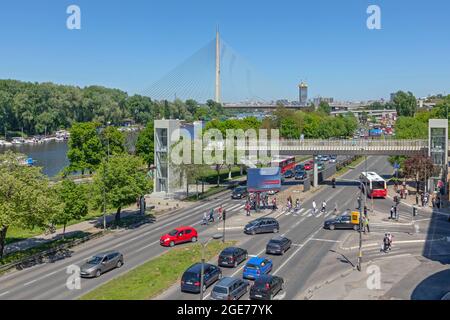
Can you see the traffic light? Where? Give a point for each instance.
(414, 211)
(224, 215)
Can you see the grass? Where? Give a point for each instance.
(156, 275)
(351, 165)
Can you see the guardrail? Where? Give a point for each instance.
(46, 256)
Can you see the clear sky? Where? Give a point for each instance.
(130, 44)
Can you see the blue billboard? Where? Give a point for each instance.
(263, 179)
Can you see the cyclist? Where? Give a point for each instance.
(324, 207)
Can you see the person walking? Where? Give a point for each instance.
(247, 208)
(366, 224)
(211, 215)
(392, 213)
(406, 193)
(395, 213)
(314, 206)
(365, 211)
(324, 207)
(274, 204)
(219, 211)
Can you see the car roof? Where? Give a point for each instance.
(278, 238)
(197, 267)
(226, 281)
(256, 260)
(102, 254)
(230, 249)
(264, 278)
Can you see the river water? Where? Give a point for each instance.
(51, 155)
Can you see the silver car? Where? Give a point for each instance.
(101, 263)
(229, 289)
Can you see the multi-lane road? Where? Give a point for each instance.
(299, 266)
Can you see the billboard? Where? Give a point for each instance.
(263, 179)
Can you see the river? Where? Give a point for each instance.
(51, 155)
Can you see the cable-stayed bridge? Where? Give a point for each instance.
(217, 72)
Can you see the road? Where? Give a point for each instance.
(311, 243)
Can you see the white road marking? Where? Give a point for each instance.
(145, 247)
(43, 277)
(229, 228)
(4, 293)
(325, 240)
(306, 212)
(320, 213)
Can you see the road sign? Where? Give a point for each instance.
(396, 165)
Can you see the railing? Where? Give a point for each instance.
(47, 255)
(389, 144)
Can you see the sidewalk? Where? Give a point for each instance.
(400, 278)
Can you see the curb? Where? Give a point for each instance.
(308, 294)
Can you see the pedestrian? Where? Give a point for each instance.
(366, 224)
(422, 199)
(314, 206)
(392, 213)
(247, 208)
(406, 193)
(335, 209)
(395, 213)
(365, 211)
(274, 203)
(324, 207)
(219, 211)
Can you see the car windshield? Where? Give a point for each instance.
(220, 289)
(190, 276)
(275, 241)
(239, 189)
(173, 232)
(252, 266)
(95, 260)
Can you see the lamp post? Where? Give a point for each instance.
(202, 272)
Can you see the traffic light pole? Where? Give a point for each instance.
(224, 216)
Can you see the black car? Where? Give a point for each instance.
(288, 174)
(341, 222)
(301, 175)
(266, 287)
(262, 225)
(190, 281)
(278, 245)
(232, 256)
(239, 193)
(299, 167)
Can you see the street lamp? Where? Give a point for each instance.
(360, 216)
(202, 272)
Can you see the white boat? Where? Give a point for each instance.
(18, 140)
(5, 143)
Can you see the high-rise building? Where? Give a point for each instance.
(303, 94)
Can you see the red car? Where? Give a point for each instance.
(179, 235)
(308, 166)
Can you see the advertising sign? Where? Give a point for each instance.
(263, 179)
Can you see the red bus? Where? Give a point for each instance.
(285, 163)
(376, 185)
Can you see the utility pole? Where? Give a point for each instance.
(104, 188)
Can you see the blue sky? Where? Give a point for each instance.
(131, 44)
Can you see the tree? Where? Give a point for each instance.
(74, 200)
(113, 140)
(85, 147)
(288, 129)
(25, 198)
(121, 181)
(411, 128)
(405, 104)
(145, 144)
(324, 107)
(419, 168)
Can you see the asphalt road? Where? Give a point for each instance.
(311, 243)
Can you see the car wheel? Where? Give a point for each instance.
(98, 273)
(171, 243)
(204, 287)
(235, 264)
(119, 264)
(194, 239)
(355, 227)
(253, 232)
(331, 227)
(275, 230)
(246, 256)
(220, 276)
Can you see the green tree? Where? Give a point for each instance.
(85, 147)
(25, 197)
(405, 104)
(113, 140)
(289, 129)
(74, 200)
(121, 180)
(145, 144)
(418, 168)
(324, 107)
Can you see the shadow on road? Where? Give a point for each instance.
(432, 288)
